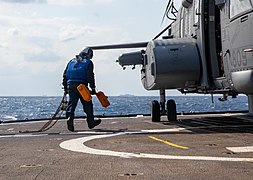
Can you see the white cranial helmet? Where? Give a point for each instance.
(86, 52)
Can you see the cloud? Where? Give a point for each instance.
(76, 2)
(58, 2)
(24, 1)
(36, 46)
(2, 46)
(14, 31)
(73, 32)
(44, 56)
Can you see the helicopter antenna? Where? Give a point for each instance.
(174, 11)
(166, 11)
(170, 10)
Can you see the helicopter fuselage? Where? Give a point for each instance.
(221, 62)
(208, 49)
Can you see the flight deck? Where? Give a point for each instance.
(206, 146)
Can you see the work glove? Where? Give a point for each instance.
(93, 91)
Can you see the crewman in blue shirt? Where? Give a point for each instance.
(80, 71)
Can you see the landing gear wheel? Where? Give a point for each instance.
(155, 111)
(171, 110)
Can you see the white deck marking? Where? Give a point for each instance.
(77, 145)
(22, 135)
(163, 130)
(25, 135)
(240, 149)
(83, 132)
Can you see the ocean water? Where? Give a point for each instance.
(21, 108)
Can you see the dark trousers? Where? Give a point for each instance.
(74, 96)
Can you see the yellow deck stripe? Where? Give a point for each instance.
(168, 143)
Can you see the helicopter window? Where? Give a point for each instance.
(239, 6)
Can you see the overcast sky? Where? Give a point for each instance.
(39, 37)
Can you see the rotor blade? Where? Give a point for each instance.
(120, 46)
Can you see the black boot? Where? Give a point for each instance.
(96, 123)
(70, 124)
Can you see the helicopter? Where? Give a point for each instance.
(207, 49)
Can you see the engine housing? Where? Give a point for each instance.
(170, 64)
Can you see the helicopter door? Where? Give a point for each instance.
(218, 41)
(213, 41)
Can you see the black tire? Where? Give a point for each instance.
(155, 111)
(171, 110)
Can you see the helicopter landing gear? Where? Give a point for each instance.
(250, 102)
(158, 109)
(171, 110)
(155, 112)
